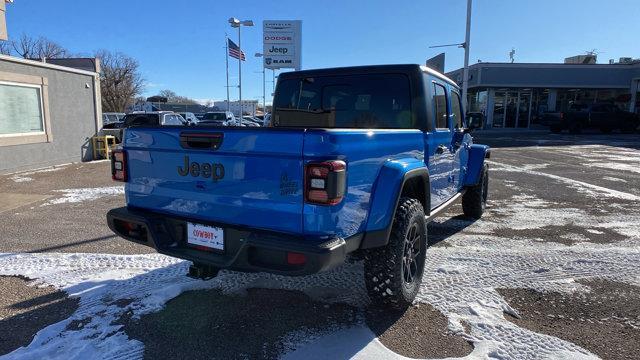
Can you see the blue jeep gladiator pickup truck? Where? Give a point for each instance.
(357, 160)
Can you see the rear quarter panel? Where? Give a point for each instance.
(365, 152)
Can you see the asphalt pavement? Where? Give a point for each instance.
(63, 210)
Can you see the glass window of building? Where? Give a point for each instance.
(20, 109)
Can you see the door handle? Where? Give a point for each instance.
(441, 149)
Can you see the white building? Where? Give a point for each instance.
(248, 106)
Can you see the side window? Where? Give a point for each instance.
(440, 105)
(171, 120)
(456, 110)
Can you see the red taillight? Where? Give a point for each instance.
(119, 165)
(294, 258)
(325, 182)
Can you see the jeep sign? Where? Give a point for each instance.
(282, 43)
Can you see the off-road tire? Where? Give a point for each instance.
(474, 200)
(384, 267)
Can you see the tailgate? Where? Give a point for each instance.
(222, 175)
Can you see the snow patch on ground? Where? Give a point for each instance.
(617, 166)
(614, 179)
(581, 186)
(84, 194)
(459, 281)
(24, 176)
(101, 280)
(19, 179)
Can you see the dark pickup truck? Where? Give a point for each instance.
(606, 117)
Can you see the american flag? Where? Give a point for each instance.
(235, 52)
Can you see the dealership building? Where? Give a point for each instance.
(515, 95)
(48, 112)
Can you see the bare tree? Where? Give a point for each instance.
(172, 97)
(37, 48)
(5, 47)
(120, 80)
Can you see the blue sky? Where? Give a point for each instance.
(180, 44)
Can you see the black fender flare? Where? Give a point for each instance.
(378, 238)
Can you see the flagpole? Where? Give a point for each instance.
(226, 59)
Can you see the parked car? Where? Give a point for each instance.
(189, 117)
(603, 116)
(112, 117)
(267, 120)
(153, 118)
(114, 129)
(353, 164)
(250, 121)
(218, 118)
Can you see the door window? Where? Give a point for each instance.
(440, 106)
(456, 110)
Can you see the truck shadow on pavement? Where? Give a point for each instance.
(24, 310)
(438, 231)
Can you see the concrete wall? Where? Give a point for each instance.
(73, 118)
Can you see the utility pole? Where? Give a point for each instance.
(465, 73)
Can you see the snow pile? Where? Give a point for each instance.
(24, 176)
(85, 194)
(103, 281)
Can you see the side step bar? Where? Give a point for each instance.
(444, 206)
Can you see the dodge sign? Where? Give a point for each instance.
(282, 43)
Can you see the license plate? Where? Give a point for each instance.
(208, 236)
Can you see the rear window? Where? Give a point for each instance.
(215, 116)
(141, 120)
(353, 101)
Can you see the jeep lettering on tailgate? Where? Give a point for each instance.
(215, 171)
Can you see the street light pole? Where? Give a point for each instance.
(465, 72)
(264, 81)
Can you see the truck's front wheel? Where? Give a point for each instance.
(393, 273)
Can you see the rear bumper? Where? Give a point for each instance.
(245, 249)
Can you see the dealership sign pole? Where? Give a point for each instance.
(282, 44)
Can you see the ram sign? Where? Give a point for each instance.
(282, 43)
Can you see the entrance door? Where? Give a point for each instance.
(498, 109)
(511, 110)
(524, 110)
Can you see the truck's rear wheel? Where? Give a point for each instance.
(393, 273)
(474, 200)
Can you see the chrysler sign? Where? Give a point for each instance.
(282, 42)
